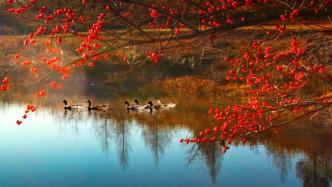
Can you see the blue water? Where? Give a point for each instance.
(53, 149)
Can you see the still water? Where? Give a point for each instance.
(53, 148)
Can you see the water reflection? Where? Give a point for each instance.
(210, 155)
(315, 172)
(122, 135)
(157, 138)
(144, 148)
(281, 159)
(104, 134)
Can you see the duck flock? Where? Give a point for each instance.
(76, 107)
(150, 106)
(136, 106)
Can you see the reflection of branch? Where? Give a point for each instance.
(193, 154)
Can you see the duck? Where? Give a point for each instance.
(71, 107)
(151, 106)
(164, 106)
(96, 108)
(135, 106)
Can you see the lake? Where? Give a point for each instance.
(116, 148)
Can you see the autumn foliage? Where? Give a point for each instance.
(276, 82)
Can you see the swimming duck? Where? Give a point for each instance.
(151, 106)
(71, 107)
(97, 108)
(134, 106)
(146, 108)
(164, 106)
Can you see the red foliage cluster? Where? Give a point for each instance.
(41, 93)
(165, 14)
(5, 84)
(88, 49)
(275, 82)
(55, 85)
(155, 56)
(279, 74)
(29, 110)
